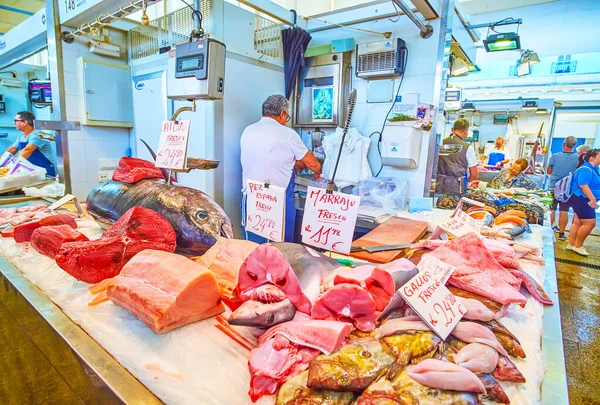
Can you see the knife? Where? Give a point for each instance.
(374, 249)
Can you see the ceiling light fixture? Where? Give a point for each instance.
(502, 42)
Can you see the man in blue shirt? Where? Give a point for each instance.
(32, 147)
(559, 166)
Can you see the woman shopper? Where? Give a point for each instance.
(584, 200)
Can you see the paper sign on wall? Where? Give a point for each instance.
(172, 147)
(329, 219)
(265, 210)
(428, 296)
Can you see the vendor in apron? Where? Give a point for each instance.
(496, 154)
(454, 166)
(270, 151)
(30, 146)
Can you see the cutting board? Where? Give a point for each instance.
(392, 232)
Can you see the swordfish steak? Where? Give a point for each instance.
(197, 219)
(165, 290)
(137, 230)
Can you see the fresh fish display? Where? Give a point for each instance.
(352, 368)
(313, 269)
(166, 291)
(22, 233)
(224, 259)
(477, 357)
(48, 239)
(493, 390)
(509, 341)
(132, 170)
(347, 302)
(196, 218)
(325, 336)
(507, 371)
(471, 332)
(266, 307)
(295, 391)
(533, 287)
(411, 348)
(477, 271)
(444, 375)
(401, 325)
(405, 390)
(491, 305)
(137, 230)
(267, 265)
(476, 310)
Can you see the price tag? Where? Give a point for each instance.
(461, 224)
(64, 200)
(428, 296)
(172, 147)
(329, 219)
(265, 210)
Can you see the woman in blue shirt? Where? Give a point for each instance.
(584, 201)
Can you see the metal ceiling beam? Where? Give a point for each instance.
(426, 30)
(16, 10)
(495, 24)
(426, 9)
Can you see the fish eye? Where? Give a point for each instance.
(281, 282)
(202, 214)
(252, 276)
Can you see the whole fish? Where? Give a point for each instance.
(312, 268)
(197, 219)
(295, 391)
(509, 341)
(267, 306)
(493, 390)
(410, 348)
(352, 368)
(404, 390)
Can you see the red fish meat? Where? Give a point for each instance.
(165, 290)
(536, 290)
(23, 232)
(137, 230)
(267, 265)
(132, 170)
(478, 272)
(347, 303)
(48, 239)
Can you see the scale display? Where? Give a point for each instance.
(190, 63)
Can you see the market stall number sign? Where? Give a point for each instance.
(329, 219)
(265, 210)
(428, 296)
(172, 147)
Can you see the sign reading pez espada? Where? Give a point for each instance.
(172, 147)
(329, 219)
(428, 296)
(265, 210)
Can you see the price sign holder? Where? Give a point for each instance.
(173, 145)
(427, 295)
(329, 219)
(265, 210)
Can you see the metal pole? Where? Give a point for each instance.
(426, 30)
(197, 27)
(59, 111)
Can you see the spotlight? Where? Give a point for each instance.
(502, 42)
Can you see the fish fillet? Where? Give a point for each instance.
(478, 272)
(166, 290)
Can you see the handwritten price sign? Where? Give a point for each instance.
(329, 219)
(265, 210)
(461, 224)
(427, 294)
(172, 147)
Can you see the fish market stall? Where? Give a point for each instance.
(207, 361)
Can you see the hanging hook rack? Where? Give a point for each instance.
(105, 19)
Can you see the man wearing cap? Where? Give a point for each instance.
(453, 166)
(271, 151)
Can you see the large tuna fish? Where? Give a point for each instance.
(197, 219)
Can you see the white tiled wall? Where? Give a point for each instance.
(418, 78)
(90, 144)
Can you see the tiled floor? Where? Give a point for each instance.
(579, 291)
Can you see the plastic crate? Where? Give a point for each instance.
(22, 179)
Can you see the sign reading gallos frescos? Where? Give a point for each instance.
(265, 210)
(329, 219)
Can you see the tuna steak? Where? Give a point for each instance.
(48, 239)
(165, 290)
(132, 170)
(138, 229)
(349, 303)
(23, 232)
(196, 218)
